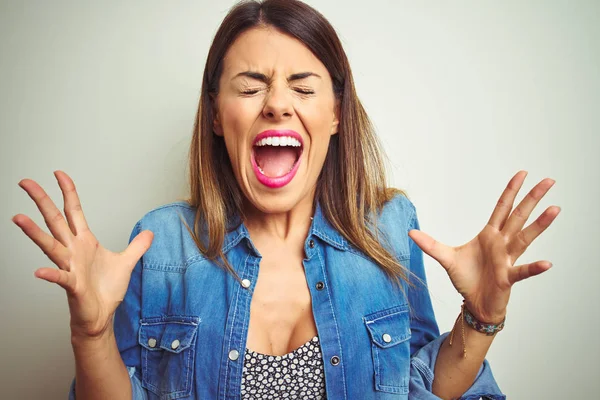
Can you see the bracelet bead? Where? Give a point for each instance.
(488, 329)
(467, 316)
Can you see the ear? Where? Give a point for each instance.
(336, 118)
(217, 128)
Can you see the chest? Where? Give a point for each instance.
(281, 317)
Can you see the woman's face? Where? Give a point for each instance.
(273, 90)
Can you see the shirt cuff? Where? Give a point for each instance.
(422, 365)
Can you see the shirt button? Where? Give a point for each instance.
(234, 355)
(335, 360)
(246, 283)
(152, 342)
(311, 244)
(386, 338)
(175, 344)
(320, 285)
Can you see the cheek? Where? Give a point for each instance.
(238, 115)
(317, 119)
(237, 119)
(234, 117)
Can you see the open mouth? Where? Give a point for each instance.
(276, 156)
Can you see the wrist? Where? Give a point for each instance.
(480, 328)
(495, 317)
(483, 326)
(81, 341)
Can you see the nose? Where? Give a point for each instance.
(278, 104)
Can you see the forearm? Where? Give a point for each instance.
(99, 370)
(454, 374)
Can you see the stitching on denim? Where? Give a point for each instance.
(385, 316)
(184, 205)
(232, 242)
(375, 350)
(402, 308)
(171, 267)
(164, 267)
(195, 258)
(237, 296)
(254, 264)
(185, 355)
(332, 240)
(334, 320)
(376, 362)
(145, 366)
(424, 368)
(159, 322)
(146, 379)
(192, 348)
(393, 389)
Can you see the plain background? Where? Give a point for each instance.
(463, 95)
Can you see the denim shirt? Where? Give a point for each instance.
(182, 326)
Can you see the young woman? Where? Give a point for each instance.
(292, 271)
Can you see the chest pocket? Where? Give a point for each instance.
(390, 334)
(168, 349)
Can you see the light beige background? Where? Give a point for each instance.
(463, 94)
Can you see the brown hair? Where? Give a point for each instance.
(352, 182)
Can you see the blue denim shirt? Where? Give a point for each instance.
(182, 326)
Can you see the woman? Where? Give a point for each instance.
(292, 271)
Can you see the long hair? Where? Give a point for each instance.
(351, 187)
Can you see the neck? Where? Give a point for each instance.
(279, 226)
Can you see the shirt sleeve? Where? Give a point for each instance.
(126, 326)
(426, 340)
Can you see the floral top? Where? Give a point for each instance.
(295, 375)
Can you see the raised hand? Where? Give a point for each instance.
(483, 270)
(94, 278)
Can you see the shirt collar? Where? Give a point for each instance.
(323, 229)
(320, 227)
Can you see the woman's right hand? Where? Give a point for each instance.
(94, 278)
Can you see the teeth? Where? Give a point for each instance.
(279, 141)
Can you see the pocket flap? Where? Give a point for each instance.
(390, 326)
(170, 333)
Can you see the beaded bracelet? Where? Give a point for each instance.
(466, 315)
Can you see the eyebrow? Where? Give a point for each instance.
(263, 78)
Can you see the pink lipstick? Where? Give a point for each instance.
(275, 182)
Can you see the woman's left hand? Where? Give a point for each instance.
(483, 270)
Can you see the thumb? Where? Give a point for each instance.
(438, 251)
(138, 246)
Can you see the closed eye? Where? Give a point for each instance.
(250, 91)
(304, 91)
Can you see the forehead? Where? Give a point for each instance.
(270, 51)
